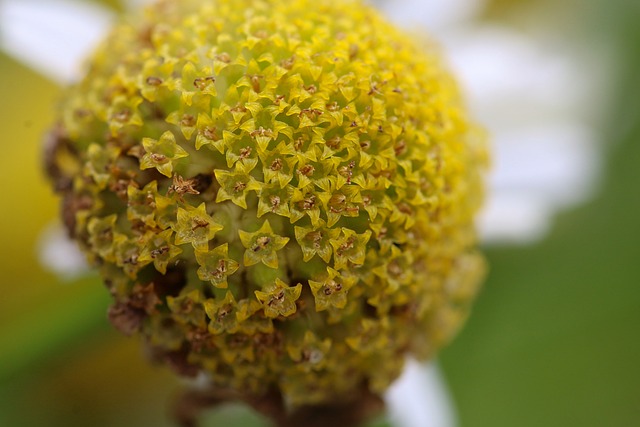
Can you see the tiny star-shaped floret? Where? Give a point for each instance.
(222, 313)
(314, 241)
(310, 353)
(215, 265)
(350, 247)
(279, 299)
(235, 185)
(161, 154)
(100, 161)
(262, 246)
(141, 204)
(195, 226)
(160, 250)
(332, 291)
(188, 307)
(127, 253)
(101, 232)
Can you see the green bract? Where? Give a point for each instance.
(279, 195)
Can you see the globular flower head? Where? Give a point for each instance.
(279, 195)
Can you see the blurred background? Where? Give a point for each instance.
(554, 336)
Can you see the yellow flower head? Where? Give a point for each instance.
(292, 184)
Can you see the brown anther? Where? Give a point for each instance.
(221, 271)
(311, 89)
(188, 120)
(299, 143)
(261, 243)
(122, 116)
(255, 82)
(365, 145)
(182, 186)
(334, 106)
(312, 113)
(366, 200)
(121, 186)
(261, 34)
(354, 124)
(199, 223)
(383, 233)
(380, 129)
(405, 209)
(331, 287)
(276, 165)
(309, 202)
(347, 171)
(278, 99)
(211, 133)
(131, 260)
(239, 186)
(276, 299)
(348, 245)
(334, 142)
(394, 269)
(81, 113)
(154, 81)
(223, 57)
(261, 132)
(159, 252)
(354, 49)
(374, 89)
(400, 147)
(288, 63)
(315, 237)
(275, 202)
(239, 109)
(397, 90)
(224, 311)
(158, 158)
(307, 170)
(336, 202)
(203, 82)
(245, 152)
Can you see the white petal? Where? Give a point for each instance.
(531, 96)
(513, 80)
(514, 218)
(52, 36)
(555, 163)
(60, 254)
(436, 15)
(419, 398)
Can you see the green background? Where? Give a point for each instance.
(553, 339)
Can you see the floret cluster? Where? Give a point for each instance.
(277, 194)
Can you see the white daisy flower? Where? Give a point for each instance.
(529, 95)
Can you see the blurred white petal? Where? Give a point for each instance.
(531, 97)
(515, 218)
(555, 163)
(511, 80)
(60, 254)
(433, 14)
(52, 36)
(419, 398)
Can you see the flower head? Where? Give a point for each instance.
(283, 192)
